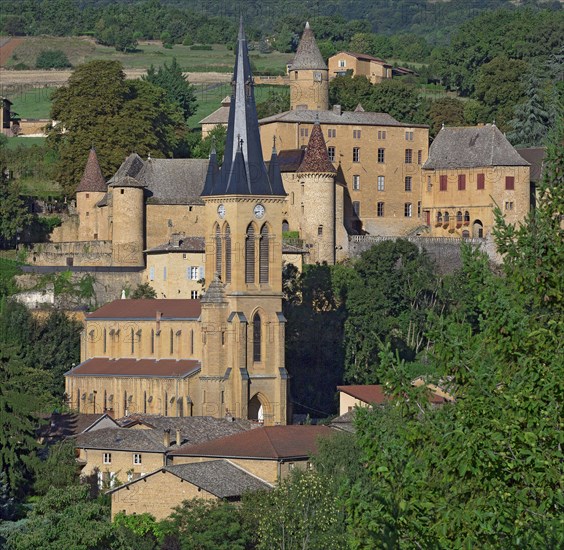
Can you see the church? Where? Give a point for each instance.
(221, 355)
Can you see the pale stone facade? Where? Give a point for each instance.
(373, 68)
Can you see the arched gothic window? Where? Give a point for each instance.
(447, 217)
(217, 250)
(285, 226)
(439, 217)
(459, 217)
(257, 338)
(467, 216)
(250, 255)
(264, 250)
(227, 253)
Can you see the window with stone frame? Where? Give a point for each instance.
(380, 210)
(356, 154)
(381, 183)
(407, 210)
(331, 153)
(381, 154)
(408, 156)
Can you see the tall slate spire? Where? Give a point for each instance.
(92, 180)
(243, 171)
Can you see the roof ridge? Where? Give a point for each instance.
(266, 432)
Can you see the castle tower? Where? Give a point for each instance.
(92, 225)
(309, 76)
(245, 375)
(317, 176)
(127, 222)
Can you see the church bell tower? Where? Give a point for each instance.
(243, 370)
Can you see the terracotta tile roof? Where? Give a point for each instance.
(308, 56)
(373, 393)
(472, 147)
(92, 180)
(316, 159)
(270, 443)
(143, 368)
(148, 309)
(219, 477)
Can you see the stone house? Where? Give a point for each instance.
(356, 64)
(159, 492)
(269, 453)
(470, 171)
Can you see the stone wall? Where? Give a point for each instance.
(444, 251)
(73, 253)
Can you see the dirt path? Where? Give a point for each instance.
(59, 78)
(7, 47)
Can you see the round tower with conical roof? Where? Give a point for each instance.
(92, 224)
(309, 76)
(317, 176)
(128, 221)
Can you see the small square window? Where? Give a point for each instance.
(356, 134)
(136, 458)
(381, 134)
(409, 136)
(331, 133)
(107, 458)
(87, 195)
(194, 294)
(356, 154)
(509, 205)
(356, 183)
(381, 152)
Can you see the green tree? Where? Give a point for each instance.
(201, 148)
(300, 513)
(532, 118)
(349, 92)
(144, 290)
(99, 106)
(387, 302)
(58, 470)
(14, 214)
(52, 59)
(203, 524)
(178, 89)
(275, 102)
(399, 99)
(499, 87)
(66, 518)
(448, 111)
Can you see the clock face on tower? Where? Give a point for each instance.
(259, 211)
(221, 211)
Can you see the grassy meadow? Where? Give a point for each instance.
(32, 103)
(79, 50)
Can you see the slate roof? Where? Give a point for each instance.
(219, 116)
(215, 293)
(219, 477)
(126, 181)
(148, 309)
(185, 244)
(534, 156)
(266, 443)
(243, 171)
(472, 147)
(345, 422)
(316, 160)
(193, 429)
(308, 56)
(63, 425)
(131, 166)
(174, 181)
(290, 159)
(142, 368)
(123, 439)
(92, 180)
(332, 117)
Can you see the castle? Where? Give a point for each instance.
(347, 175)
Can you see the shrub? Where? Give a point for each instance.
(52, 59)
(203, 47)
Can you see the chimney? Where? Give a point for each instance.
(337, 109)
(178, 438)
(166, 438)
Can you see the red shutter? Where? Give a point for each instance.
(461, 182)
(509, 183)
(443, 181)
(481, 181)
